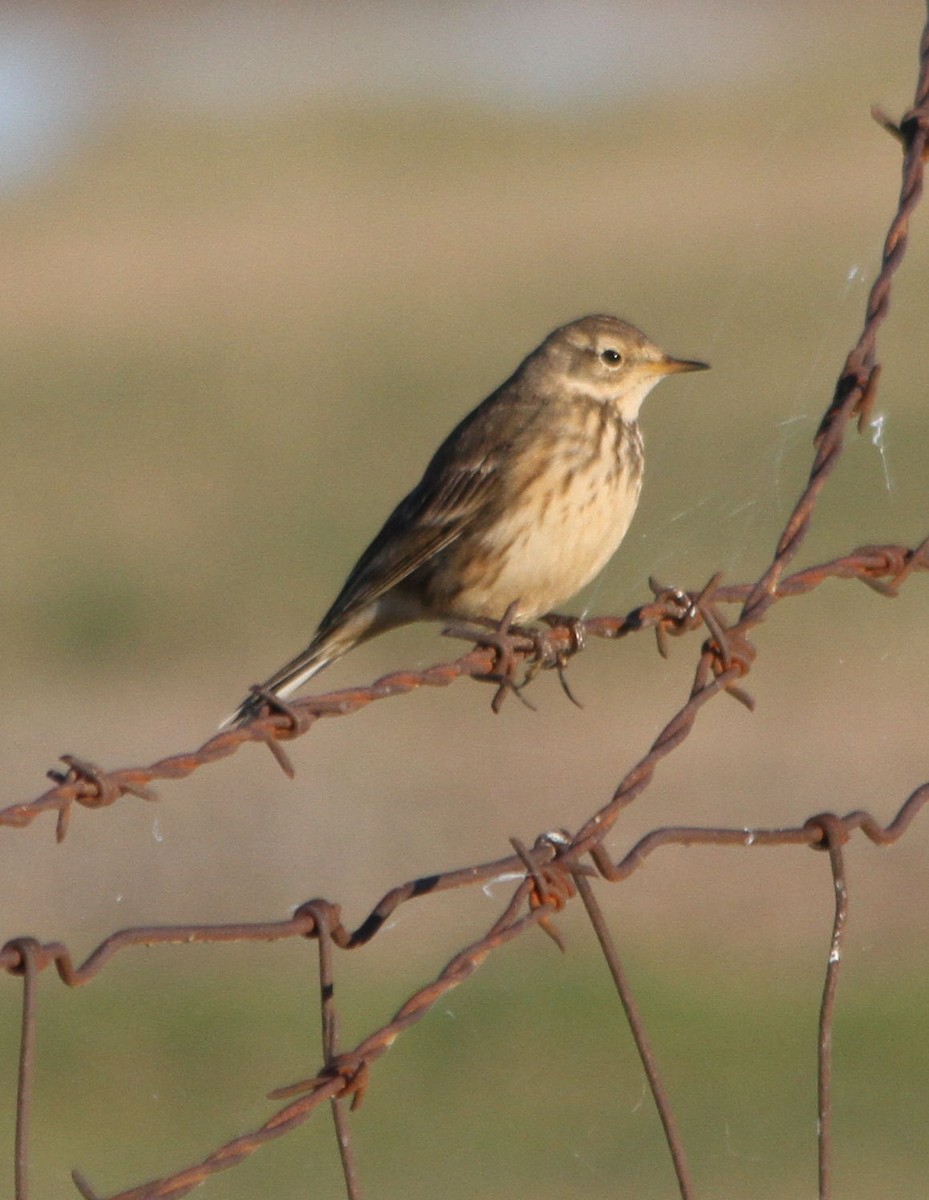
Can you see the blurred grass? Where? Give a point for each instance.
(229, 347)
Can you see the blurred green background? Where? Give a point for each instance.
(257, 261)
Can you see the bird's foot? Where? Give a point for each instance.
(504, 637)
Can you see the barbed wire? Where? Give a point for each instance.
(673, 612)
(559, 865)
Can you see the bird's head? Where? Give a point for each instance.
(606, 359)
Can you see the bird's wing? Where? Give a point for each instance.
(438, 510)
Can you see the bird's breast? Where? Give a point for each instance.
(569, 498)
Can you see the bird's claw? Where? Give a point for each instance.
(501, 638)
(504, 638)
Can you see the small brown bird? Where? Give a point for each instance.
(524, 502)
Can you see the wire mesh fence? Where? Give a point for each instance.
(560, 868)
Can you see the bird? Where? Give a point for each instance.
(522, 505)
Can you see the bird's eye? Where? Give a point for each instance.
(611, 356)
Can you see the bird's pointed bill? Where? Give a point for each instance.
(674, 366)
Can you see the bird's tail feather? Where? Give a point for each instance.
(333, 639)
(284, 682)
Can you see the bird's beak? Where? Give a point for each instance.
(674, 366)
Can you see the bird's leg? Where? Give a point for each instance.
(499, 636)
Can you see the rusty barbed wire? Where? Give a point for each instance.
(557, 866)
(345, 1074)
(884, 567)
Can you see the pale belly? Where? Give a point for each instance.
(549, 546)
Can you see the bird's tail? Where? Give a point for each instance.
(330, 642)
(282, 683)
(293, 675)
